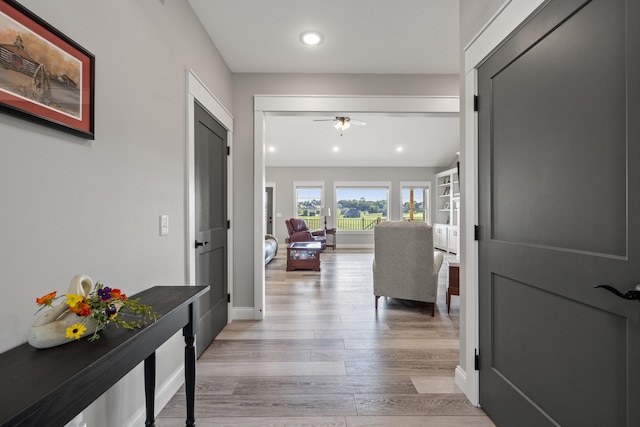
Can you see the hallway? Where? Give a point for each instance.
(323, 357)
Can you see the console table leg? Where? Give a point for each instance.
(150, 388)
(190, 379)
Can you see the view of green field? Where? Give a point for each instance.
(353, 212)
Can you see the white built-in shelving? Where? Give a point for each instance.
(446, 233)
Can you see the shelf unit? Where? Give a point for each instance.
(446, 236)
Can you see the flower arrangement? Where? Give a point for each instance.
(104, 305)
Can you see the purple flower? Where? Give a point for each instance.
(105, 293)
(110, 310)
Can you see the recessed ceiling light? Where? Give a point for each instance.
(336, 149)
(272, 149)
(311, 38)
(399, 149)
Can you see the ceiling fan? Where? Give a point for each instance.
(342, 122)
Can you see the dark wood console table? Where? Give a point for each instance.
(49, 387)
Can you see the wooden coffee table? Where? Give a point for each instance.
(304, 255)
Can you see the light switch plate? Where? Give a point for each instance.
(164, 225)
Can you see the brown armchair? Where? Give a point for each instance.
(299, 232)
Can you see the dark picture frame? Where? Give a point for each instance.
(45, 77)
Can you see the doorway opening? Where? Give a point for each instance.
(265, 105)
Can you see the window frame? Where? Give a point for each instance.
(361, 184)
(307, 184)
(425, 186)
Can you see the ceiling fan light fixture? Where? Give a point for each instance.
(342, 124)
(311, 38)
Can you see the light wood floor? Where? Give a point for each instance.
(323, 356)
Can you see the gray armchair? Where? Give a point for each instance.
(405, 265)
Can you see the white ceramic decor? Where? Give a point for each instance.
(50, 328)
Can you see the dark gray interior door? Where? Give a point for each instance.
(559, 206)
(210, 224)
(268, 209)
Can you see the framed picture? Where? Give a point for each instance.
(45, 77)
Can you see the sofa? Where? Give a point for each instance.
(270, 248)
(405, 264)
(299, 232)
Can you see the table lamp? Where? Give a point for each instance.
(325, 212)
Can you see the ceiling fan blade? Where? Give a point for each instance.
(343, 120)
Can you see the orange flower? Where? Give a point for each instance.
(47, 299)
(81, 308)
(85, 310)
(115, 293)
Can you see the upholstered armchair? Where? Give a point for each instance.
(405, 265)
(299, 232)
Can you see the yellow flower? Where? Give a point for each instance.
(73, 299)
(76, 331)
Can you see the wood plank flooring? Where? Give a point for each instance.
(323, 356)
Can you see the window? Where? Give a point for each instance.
(415, 201)
(360, 206)
(309, 198)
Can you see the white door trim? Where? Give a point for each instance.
(265, 104)
(196, 90)
(511, 15)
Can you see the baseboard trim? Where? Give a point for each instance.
(353, 246)
(461, 379)
(163, 396)
(244, 313)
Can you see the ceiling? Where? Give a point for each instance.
(426, 140)
(359, 36)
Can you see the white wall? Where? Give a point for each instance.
(284, 177)
(245, 86)
(73, 206)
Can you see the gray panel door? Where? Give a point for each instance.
(268, 209)
(210, 224)
(559, 205)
